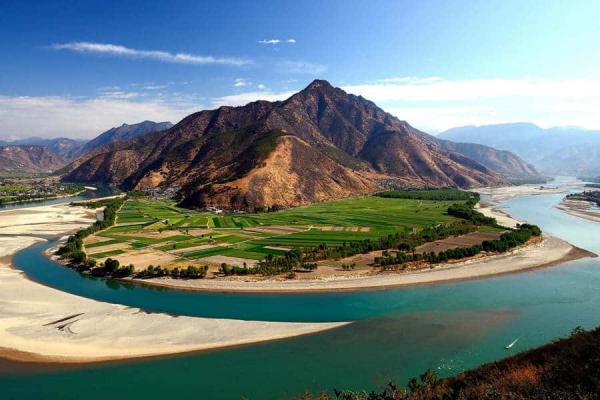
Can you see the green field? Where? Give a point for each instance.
(332, 223)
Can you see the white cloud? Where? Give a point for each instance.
(301, 67)
(269, 41)
(52, 116)
(277, 41)
(241, 82)
(261, 86)
(435, 104)
(242, 99)
(122, 51)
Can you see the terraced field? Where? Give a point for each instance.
(146, 227)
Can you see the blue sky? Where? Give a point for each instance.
(75, 68)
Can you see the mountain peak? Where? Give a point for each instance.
(319, 84)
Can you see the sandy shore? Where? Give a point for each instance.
(549, 251)
(508, 192)
(580, 208)
(38, 323)
(503, 218)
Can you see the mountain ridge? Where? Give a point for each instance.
(554, 151)
(320, 137)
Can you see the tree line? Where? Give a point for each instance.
(441, 194)
(72, 250)
(505, 242)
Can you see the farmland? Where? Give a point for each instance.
(146, 230)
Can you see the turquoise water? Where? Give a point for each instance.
(399, 332)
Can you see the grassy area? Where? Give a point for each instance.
(151, 224)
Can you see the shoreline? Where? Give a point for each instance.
(42, 324)
(578, 208)
(37, 199)
(525, 258)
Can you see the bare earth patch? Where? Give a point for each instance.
(468, 240)
(141, 259)
(237, 261)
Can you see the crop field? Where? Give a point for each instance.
(160, 226)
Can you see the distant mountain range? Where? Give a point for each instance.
(65, 147)
(554, 151)
(319, 144)
(58, 152)
(29, 159)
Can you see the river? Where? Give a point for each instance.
(398, 334)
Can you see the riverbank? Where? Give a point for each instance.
(549, 251)
(38, 323)
(509, 192)
(580, 208)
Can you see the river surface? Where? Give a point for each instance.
(398, 334)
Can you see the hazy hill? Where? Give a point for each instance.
(63, 146)
(554, 151)
(29, 159)
(502, 161)
(319, 144)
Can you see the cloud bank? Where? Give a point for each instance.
(435, 104)
(53, 116)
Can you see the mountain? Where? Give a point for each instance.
(123, 133)
(319, 144)
(30, 159)
(501, 161)
(63, 146)
(554, 151)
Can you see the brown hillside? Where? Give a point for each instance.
(320, 144)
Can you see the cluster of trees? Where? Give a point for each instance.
(593, 196)
(466, 211)
(190, 272)
(267, 209)
(505, 242)
(292, 261)
(349, 266)
(72, 250)
(440, 194)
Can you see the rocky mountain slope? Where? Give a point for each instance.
(501, 161)
(554, 151)
(29, 159)
(122, 133)
(319, 144)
